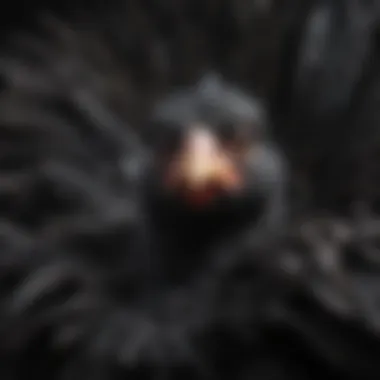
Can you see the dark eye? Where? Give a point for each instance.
(253, 131)
(165, 136)
(236, 137)
(227, 132)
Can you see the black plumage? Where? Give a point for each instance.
(100, 265)
(234, 128)
(86, 288)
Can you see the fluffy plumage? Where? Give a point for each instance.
(77, 254)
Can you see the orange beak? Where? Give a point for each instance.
(203, 169)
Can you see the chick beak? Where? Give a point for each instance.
(203, 169)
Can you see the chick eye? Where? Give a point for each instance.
(235, 138)
(227, 132)
(166, 136)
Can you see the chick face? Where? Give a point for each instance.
(207, 141)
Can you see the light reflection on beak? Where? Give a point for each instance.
(203, 168)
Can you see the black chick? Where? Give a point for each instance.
(88, 232)
(216, 171)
